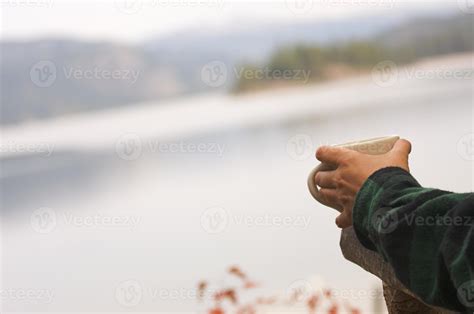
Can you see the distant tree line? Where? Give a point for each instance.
(407, 44)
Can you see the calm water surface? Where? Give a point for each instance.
(102, 233)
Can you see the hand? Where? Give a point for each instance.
(338, 188)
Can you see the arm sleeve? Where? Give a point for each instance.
(426, 235)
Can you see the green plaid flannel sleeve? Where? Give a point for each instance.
(427, 235)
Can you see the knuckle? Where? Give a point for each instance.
(321, 151)
(324, 193)
(317, 178)
(328, 196)
(338, 181)
(346, 158)
(345, 199)
(343, 160)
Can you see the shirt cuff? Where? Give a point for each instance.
(368, 201)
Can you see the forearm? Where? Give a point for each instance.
(425, 234)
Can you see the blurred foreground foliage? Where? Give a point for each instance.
(232, 298)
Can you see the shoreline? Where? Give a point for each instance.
(350, 74)
(216, 112)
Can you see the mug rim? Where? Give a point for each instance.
(368, 141)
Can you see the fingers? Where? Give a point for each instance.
(344, 220)
(325, 179)
(329, 198)
(331, 155)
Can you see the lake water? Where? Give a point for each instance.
(134, 207)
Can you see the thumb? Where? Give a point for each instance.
(399, 154)
(401, 148)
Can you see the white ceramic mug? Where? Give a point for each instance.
(374, 146)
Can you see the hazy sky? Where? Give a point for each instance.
(135, 20)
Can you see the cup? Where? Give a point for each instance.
(374, 146)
